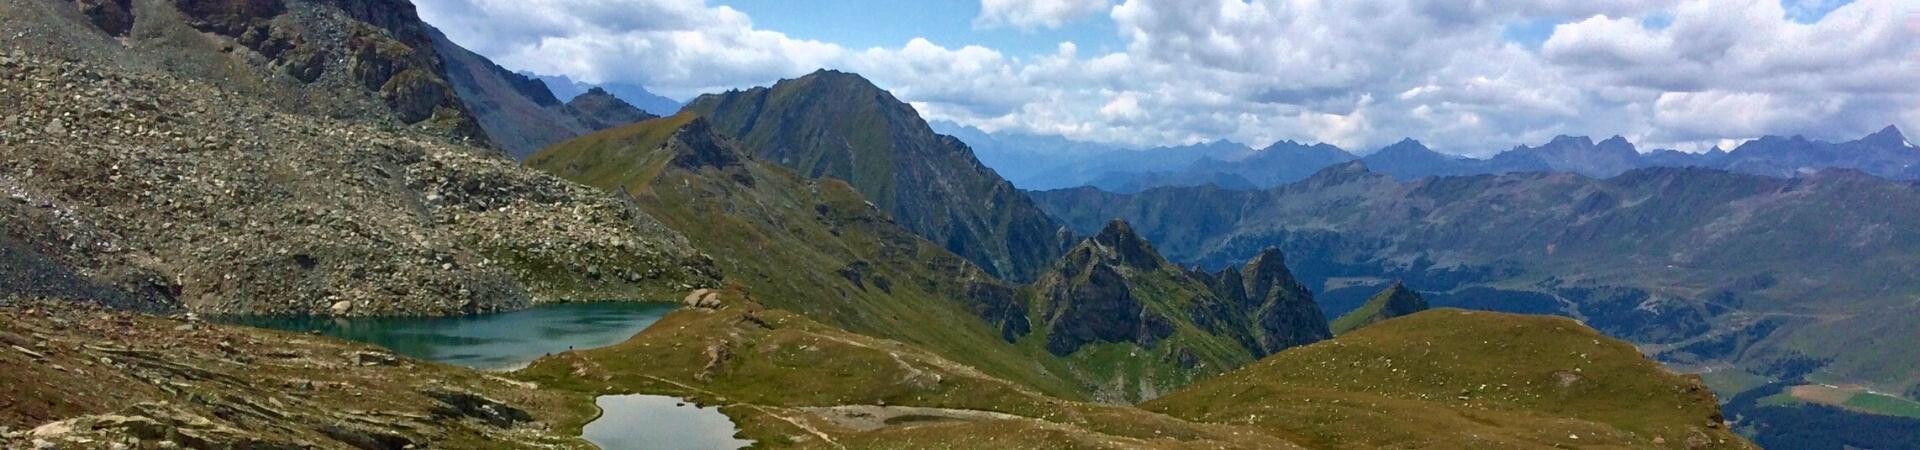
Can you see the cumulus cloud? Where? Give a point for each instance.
(1033, 14)
(1741, 68)
(1357, 73)
(679, 47)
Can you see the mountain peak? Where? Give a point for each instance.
(696, 146)
(1395, 301)
(1889, 137)
(1127, 246)
(1288, 316)
(1581, 141)
(1268, 258)
(1339, 174)
(599, 109)
(839, 78)
(1408, 143)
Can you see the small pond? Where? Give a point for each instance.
(653, 422)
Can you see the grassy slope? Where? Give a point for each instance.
(787, 239)
(786, 377)
(789, 382)
(1448, 377)
(1367, 314)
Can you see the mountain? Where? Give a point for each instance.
(1409, 159)
(1114, 295)
(343, 59)
(519, 113)
(839, 125)
(1703, 266)
(1886, 154)
(1032, 161)
(1396, 301)
(1579, 155)
(1111, 319)
(633, 94)
(1285, 162)
(293, 157)
(1051, 162)
(815, 247)
(600, 110)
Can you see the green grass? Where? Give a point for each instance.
(1362, 316)
(1478, 379)
(1886, 405)
(1730, 382)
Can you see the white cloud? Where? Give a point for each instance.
(678, 47)
(1032, 14)
(1356, 73)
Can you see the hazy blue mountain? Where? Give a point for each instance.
(1572, 154)
(1052, 162)
(636, 95)
(1284, 162)
(1409, 159)
(1887, 154)
(1131, 182)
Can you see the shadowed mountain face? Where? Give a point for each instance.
(833, 124)
(1706, 265)
(520, 113)
(1113, 298)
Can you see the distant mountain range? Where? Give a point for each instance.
(1043, 162)
(638, 95)
(519, 113)
(1702, 266)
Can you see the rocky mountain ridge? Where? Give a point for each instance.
(839, 125)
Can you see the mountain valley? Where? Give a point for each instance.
(821, 268)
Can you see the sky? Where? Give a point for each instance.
(1465, 77)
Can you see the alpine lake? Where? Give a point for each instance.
(511, 340)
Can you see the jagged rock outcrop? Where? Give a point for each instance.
(1284, 312)
(1116, 289)
(1395, 301)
